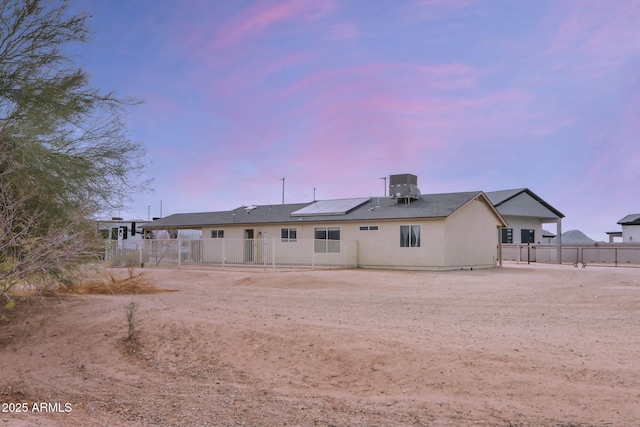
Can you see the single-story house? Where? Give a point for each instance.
(630, 228)
(406, 230)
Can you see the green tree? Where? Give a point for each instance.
(65, 154)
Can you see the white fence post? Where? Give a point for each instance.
(346, 249)
(265, 252)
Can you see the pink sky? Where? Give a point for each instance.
(332, 95)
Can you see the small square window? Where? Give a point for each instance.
(527, 236)
(288, 234)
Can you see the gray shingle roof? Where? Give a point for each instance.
(376, 208)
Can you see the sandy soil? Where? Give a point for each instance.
(513, 346)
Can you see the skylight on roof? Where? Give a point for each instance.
(330, 207)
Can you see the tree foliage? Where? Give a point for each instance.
(65, 154)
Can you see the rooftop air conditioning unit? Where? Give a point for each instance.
(404, 187)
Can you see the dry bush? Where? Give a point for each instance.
(102, 282)
(112, 285)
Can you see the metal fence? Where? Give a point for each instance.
(310, 253)
(250, 253)
(117, 254)
(600, 254)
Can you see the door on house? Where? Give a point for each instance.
(248, 245)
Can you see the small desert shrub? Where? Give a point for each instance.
(130, 310)
(132, 261)
(113, 283)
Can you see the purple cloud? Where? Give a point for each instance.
(262, 15)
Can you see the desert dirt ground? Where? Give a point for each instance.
(513, 346)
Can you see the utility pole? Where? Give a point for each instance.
(385, 185)
(282, 179)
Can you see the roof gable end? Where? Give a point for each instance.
(522, 202)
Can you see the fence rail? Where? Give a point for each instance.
(250, 253)
(601, 254)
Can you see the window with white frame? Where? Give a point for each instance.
(288, 234)
(327, 239)
(409, 236)
(368, 228)
(217, 234)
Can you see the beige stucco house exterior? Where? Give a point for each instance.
(431, 232)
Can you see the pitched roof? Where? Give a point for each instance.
(500, 197)
(374, 208)
(632, 219)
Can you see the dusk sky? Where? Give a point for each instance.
(333, 95)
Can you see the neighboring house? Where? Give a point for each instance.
(405, 231)
(630, 228)
(526, 213)
(613, 235)
(127, 233)
(547, 237)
